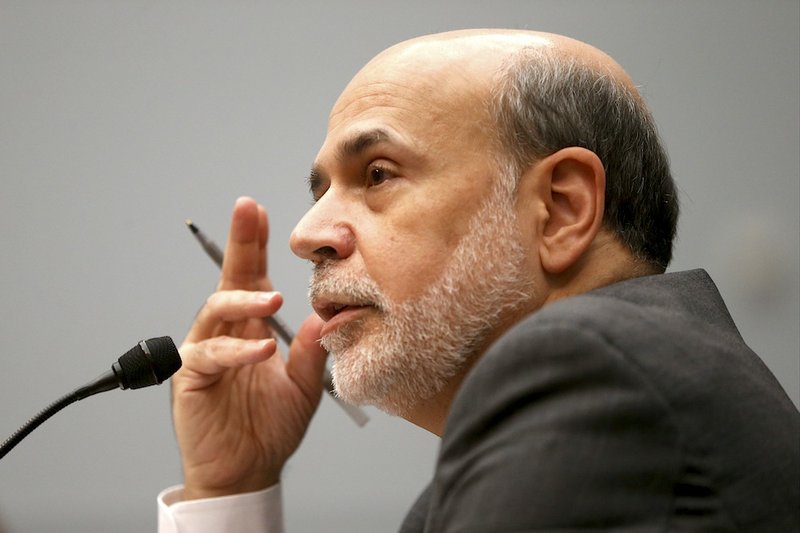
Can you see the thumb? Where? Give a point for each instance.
(307, 358)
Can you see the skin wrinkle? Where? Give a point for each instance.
(425, 169)
(417, 346)
(426, 104)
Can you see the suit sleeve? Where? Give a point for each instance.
(555, 429)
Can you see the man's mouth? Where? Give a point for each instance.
(338, 313)
(329, 308)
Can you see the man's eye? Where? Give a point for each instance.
(376, 175)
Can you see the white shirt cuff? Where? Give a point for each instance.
(260, 512)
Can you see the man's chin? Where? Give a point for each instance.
(379, 385)
(389, 404)
(346, 337)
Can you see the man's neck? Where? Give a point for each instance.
(606, 262)
(432, 413)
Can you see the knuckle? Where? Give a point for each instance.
(212, 300)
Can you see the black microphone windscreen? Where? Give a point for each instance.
(148, 363)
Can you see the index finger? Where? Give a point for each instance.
(242, 264)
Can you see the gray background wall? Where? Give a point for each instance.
(120, 119)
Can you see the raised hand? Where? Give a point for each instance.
(239, 410)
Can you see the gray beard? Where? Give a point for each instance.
(419, 345)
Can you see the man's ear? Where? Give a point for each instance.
(572, 183)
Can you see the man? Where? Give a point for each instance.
(493, 216)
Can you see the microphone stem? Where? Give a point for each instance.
(105, 382)
(102, 383)
(36, 421)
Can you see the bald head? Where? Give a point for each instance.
(480, 54)
(530, 94)
(539, 93)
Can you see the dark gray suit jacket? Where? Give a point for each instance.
(635, 407)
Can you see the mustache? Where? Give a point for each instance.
(337, 283)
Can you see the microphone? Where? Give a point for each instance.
(150, 362)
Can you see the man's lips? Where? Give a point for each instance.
(328, 309)
(344, 315)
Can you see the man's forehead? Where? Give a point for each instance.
(417, 105)
(421, 73)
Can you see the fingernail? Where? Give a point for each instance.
(265, 296)
(268, 344)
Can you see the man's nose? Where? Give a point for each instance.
(323, 233)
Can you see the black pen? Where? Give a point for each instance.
(216, 255)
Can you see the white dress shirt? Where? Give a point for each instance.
(251, 512)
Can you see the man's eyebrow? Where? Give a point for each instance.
(362, 141)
